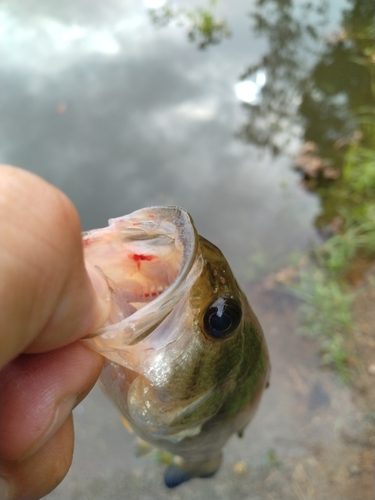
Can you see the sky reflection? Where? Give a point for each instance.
(250, 89)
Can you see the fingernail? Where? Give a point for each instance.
(63, 410)
(5, 489)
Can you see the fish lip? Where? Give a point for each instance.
(139, 324)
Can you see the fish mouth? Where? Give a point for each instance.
(149, 260)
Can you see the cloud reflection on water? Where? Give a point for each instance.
(147, 120)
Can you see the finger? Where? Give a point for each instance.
(39, 474)
(47, 298)
(38, 392)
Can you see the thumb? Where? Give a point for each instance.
(48, 298)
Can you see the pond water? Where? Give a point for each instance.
(122, 110)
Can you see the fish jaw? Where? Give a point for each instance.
(146, 258)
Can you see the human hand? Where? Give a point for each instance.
(48, 300)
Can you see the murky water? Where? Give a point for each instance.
(121, 113)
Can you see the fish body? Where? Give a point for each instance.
(186, 359)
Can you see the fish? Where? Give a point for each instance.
(186, 361)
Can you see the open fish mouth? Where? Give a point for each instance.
(149, 260)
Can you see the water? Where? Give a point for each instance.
(120, 114)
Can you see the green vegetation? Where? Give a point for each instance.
(325, 315)
(324, 287)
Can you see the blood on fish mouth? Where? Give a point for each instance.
(139, 257)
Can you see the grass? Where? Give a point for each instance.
(326, 315)
(358, 237)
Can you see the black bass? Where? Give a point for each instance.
(186, 359)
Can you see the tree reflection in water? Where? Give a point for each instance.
(201, 23)
(310, 88)
(315, 83)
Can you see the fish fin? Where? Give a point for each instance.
(142, 448)
(180, 471)
(126, 424)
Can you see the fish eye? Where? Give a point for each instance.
(222, 317)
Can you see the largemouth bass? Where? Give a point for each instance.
(186, 359)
